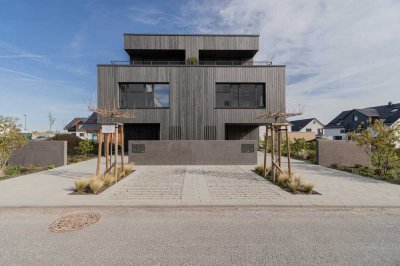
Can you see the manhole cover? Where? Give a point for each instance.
(74, 222)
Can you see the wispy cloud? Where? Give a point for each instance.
(339, 54)
(20, 73)
(156, 17)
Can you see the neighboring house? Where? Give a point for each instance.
(261, 130)
(75, 127)
(91, 127)
(84, 128)
(352, 120)
(192, 87)
(308, 125)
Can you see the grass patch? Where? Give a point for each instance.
(15, 171)
(392, 177)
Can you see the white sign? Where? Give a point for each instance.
(108, 128)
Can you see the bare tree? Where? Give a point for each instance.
(52, 119)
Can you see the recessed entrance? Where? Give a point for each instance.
(241, 132)
(141, 132)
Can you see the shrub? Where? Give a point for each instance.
(307, 188)
(10, 140)
(96, 184)
(108, 179)
(85, 147)
(81, 184)
(259, 169)
(50, 167)
(283, 179)
(72, 140)
(13, 170)
(192, 60)
(294, 183)
(129, 167)
(334, 165)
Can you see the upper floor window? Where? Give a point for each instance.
(355, 118)
(308, 130)
(143, 95)
(240, 95)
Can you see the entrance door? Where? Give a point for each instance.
(241, 132)
(141, 132)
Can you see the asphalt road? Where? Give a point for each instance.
(238, 236)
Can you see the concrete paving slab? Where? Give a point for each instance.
(196, 185)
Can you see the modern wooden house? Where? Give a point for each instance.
(191, 87)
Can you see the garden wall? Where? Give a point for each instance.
(40, 153)
(345, 153)
(196, 152)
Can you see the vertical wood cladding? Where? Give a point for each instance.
(192, 96)
(191, 43)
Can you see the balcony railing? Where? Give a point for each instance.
(201, 63)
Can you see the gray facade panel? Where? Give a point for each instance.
(41, 154)
(192, 95)
(193, 152)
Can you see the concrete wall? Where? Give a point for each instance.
(41, 153)
(339, 152)
(197, 152)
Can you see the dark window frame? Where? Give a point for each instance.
(145, 84)
(238, 101)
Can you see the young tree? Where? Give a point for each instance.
(52, 119)
(10, 140)
(379, 142)
(85, 147)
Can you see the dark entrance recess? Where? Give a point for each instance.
(241, 132)
(141, 132)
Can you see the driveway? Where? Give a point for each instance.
(190, 185)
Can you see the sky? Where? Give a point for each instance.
(339, 55)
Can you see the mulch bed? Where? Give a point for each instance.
(313, 192)
(103, 188)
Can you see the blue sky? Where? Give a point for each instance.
(339, 54)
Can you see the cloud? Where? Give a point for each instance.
(20, 73)
(156, 17)
(339, 54)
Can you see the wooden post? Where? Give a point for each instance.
(122, 150)
(288, 152)
(272, 155)
(100, 142)
(265, 150)
(116, 154)
(107, 151)
(279, 146)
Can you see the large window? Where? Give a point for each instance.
(143, 95)
(240, 95)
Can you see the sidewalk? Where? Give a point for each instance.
(194, 185)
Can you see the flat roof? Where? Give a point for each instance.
(170, 34)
